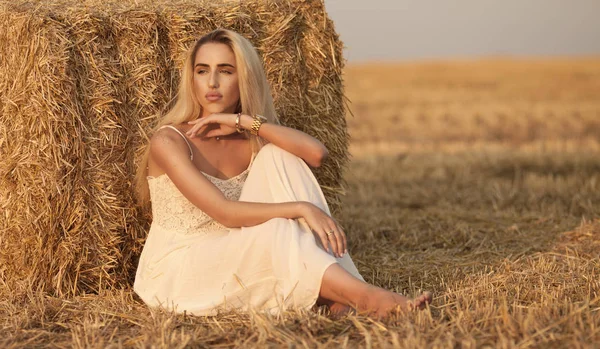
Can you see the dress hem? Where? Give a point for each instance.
(316, 298)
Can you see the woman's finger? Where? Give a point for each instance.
(336, 240)
(342, 235)
(340, 241)
(196, 123)
(323, 239)
(334, 236)
(199, 125)
(192, 131)
(330, 236)
(344, 240)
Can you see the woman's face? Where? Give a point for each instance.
(216, 79)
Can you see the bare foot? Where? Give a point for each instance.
(336, 310)
(380, 303)
(339, 310)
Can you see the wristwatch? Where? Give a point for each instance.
(258, 120)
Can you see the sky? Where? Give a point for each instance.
(374, 30)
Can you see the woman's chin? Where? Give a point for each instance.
(215, 109)
(207, 112)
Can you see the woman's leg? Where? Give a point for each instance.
(340, 288)
(278, 176)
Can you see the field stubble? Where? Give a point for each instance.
(498, 217)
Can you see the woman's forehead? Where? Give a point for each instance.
(215, 53)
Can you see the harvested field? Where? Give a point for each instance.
(503, 227)
(466, 103)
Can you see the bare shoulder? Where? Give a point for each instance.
(167, 142)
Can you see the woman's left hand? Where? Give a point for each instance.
(225, 125)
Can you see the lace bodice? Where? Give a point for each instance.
(171, 210)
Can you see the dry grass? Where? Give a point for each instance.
(505, 231)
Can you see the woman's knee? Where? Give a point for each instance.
(269, 148)
(274, 152)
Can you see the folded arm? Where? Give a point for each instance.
(304, 146)
(169, 151)
(296, 142)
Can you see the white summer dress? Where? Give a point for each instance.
(192, 263)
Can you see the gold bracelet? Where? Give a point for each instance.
(237, 123)
(258, 121)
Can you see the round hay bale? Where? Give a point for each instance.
(81, 85)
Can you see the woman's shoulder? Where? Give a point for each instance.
(164, 129)
(172, 132)
(169, 138)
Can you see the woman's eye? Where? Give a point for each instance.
(225, 71)
(201, 71)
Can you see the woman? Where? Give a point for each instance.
(234, 202)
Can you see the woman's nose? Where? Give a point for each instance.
(213, 81)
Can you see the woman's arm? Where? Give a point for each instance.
(296, 142)
(170, 153)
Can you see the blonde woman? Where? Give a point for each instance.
(239, 221)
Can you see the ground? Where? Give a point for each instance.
(476, 180)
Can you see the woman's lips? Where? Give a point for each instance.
(213, 96)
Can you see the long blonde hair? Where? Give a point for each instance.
(255, 96)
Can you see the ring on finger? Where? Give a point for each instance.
(329, 232)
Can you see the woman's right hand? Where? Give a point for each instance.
(326, 228)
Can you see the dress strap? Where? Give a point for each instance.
(185, 139)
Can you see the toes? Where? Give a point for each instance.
(423, 300)
(428, 296)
